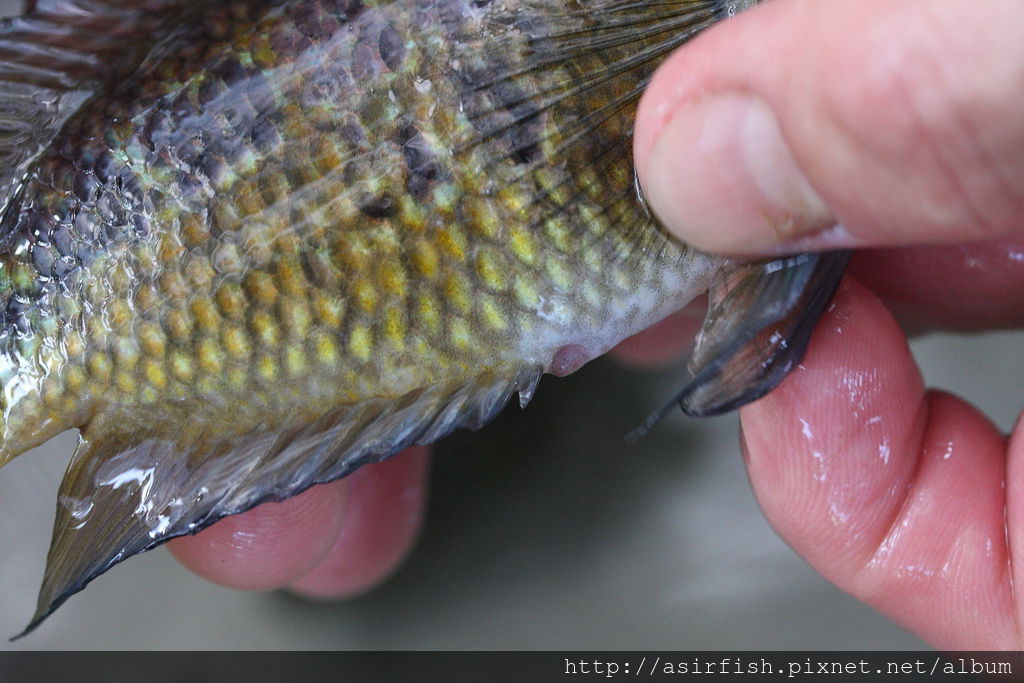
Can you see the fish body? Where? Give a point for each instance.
(292, 237)
(319, 211)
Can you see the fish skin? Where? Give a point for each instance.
(301, 235)
(289, 219)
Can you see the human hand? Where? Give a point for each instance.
(900, 122)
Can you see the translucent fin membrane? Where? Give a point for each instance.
(125, 493)
(759, 322)
(613, 46)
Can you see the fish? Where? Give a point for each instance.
(249, 246)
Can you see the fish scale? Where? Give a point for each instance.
(300, 235)
(215, 305)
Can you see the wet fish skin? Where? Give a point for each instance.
(304, 234)
(306, 201)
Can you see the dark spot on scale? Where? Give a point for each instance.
(66, 148)
(106, 167)
(524, 146)
(323, 87)
(85, 226)
(230, 70)
(111, 231)
(85, 252)
(522, 137)
(42, 259)
(130, 189)
(311, 19)
(62, 239)
(189, 150)
(502, 112)
(218, 146)
(140, 227)
(481, 3)
(352, 132)
(423, 167)
(259, 92)
(287, 39)
(238, 119)
(264, 135)
(382, 206)
(182, 108)
(391, 46)
(186, 183)
(209, 89)
(344, 9)
(417, 186)
(318, 269)
(211, 166)
(37, 227)
(84, 186)
(364, 62)
(155, 130)
(232, 117)
(62, 267)
(14, 315)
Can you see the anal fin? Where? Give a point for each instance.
(130, 489)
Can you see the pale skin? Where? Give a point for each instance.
(900, 121)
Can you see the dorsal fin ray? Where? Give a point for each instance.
(683, 18)
(53, 58)
(584, 65)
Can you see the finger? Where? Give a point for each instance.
(382, 516)
(893, 493)
(1015, 506)
(270, 544)
(891, 118)
(276, 543)
(973, 286)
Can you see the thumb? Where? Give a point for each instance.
(901, 122)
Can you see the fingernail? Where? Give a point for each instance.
(722, 178)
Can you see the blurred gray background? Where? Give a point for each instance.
(544, 531)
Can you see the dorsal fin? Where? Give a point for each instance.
(53, 58)
(585, 66)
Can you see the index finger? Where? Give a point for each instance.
(896, 494)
